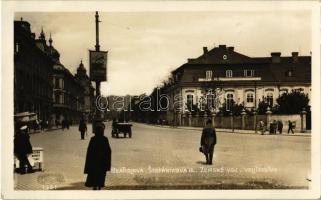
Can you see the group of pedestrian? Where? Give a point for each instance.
(44, 124)
(65, 123)
(276, 127)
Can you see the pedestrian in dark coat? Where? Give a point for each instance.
(208, 141)
(67, 124)
(22, 147)
(82, 128)
(290, 127)
(98, 159)
(280, 126)
(63, 124)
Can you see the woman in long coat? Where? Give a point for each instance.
(98, 159)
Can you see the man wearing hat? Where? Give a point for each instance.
(22, 147)
(208, 141)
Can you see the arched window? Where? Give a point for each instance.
(229, 101)
(269, 99)
(229, 73)
(282, 91)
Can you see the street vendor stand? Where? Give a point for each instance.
(35, 159)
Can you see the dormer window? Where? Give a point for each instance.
(209, 75)
(289, 73)
(229, 73)
(249, 72)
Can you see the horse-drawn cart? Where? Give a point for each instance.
(125, 128)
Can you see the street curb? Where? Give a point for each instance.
(236, 131)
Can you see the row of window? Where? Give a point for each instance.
(58, 83)
(230, 99)
(229, 73)
(63, 99)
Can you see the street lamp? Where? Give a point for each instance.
(98, 62)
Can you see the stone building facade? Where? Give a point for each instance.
(42, 84)
(68, 95)
(89, 94)
(223, 75)
(32, 73)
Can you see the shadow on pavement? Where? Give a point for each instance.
(201, 162)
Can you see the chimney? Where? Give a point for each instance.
(295, 57)
(230, 48)
(205, 50)
(276, 57)
(222, 46)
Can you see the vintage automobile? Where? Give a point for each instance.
(125, 128)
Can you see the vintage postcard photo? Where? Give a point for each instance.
(194, 99)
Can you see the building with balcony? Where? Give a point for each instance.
(68, 95)
(223, 76)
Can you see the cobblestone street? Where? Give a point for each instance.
(168, 158)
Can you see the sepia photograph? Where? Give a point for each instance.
(148, 97)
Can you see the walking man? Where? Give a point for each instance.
(208, 141)
(98, 159)
(82, 128)
(290, 127)
(22, 147)
(280, 126)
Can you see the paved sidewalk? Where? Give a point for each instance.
(308, 133)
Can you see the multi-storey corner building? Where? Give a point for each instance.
(42, 83)
(32, 73)
(237, 78)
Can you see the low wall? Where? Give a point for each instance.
(246, 122)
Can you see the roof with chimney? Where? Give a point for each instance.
(270, 69)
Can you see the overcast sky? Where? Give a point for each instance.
(144, 47)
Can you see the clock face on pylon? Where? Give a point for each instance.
(98, 62)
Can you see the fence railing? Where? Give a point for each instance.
(244, 122)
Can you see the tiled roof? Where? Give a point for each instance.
(271, 69)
